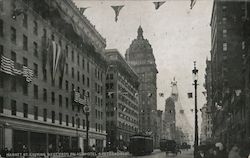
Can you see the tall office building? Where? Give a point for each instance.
(140, 56)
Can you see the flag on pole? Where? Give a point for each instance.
(149, 94)
(136, 94)
(161, 94)
(117, 10)
(82, 10)
(192, 4)
(28, 73)
(190, 95)
(7, 65)
(124, 93)
(158, 4)
(110, 93)
(204, 93)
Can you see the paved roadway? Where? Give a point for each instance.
(158, 154)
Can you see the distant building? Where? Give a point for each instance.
(140, 56)
(159, 127)
(170, 118)
(52, 66)
(177, 124)
(122, 85)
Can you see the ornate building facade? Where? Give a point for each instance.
(52, 66)
(229, 71)
(140, 56)
(122, 101)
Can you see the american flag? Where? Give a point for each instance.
(28, 73)
(7, 65)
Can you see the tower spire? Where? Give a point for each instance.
(140, 33)
(174, 93)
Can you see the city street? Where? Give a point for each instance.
(158, 154)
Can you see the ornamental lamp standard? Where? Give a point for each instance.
(195, 78)
(86, 110)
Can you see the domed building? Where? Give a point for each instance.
(141, 58)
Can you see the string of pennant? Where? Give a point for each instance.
(117, 9)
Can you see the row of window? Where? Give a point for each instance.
(225, 46)
(127, 110)
(98, 114)
(127, 118)
(126, 101)
(44, 93)
(74, 120)
(126, 126)
(132, 96)
(98, 127)
(126, 83)
(98, 101)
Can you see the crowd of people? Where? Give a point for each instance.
(218, 150)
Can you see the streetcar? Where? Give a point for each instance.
(140, 145)
(168, 146)
(163, 144)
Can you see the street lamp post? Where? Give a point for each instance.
(86, 110)
(195, 77)
(87, 130)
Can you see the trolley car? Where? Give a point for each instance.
(141, 145)
(168, 146)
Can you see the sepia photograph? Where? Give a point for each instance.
(124, 78)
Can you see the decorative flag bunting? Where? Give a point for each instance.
(192, 4)
(82, 10)
(158, 4)
(190, 95)
(161, 94)
(117, 10)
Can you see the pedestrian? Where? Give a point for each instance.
(210, 152)
(234, 152)
(220, 151)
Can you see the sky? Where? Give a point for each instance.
(177, 35)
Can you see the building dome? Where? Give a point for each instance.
(140, 48)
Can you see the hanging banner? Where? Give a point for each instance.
(117, 10)
(158, 4)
